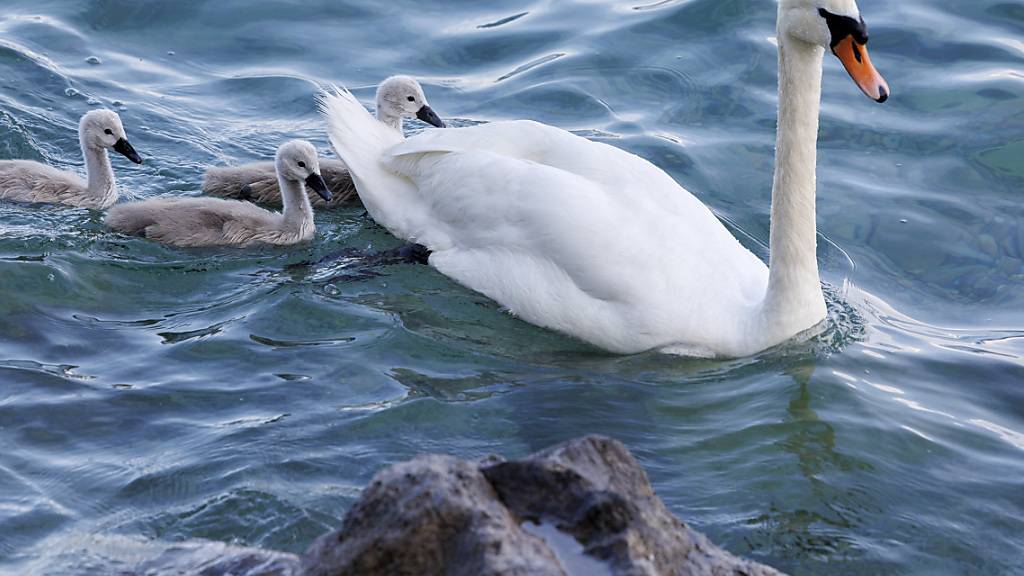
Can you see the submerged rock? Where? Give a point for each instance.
(442, 515)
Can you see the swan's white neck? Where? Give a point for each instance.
(794, 301)
(100, 175)
(297, 213)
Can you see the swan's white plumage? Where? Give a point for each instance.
(566, 233)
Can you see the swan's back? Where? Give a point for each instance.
(190, 222)
(257, 182)
(28, 181)
(579, 236)
(530, 141)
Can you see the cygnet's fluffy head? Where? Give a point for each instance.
(837, 25)
(297, 161)
(103, 129)
(402, 97)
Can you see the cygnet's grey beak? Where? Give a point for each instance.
(123, 147)
(316, 182)
(428, 115)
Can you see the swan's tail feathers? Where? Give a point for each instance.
(358, 138)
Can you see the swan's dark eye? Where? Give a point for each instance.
(412, 98)
(109, 132)
(302, 164)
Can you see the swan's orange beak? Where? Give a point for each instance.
(854, 56)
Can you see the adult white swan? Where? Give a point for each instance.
(589, 240)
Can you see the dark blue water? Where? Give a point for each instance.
(151, 395)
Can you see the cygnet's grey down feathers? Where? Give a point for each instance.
(28, 181)
(257, 182)
(98, 131)
(192, 222)
(398, 97)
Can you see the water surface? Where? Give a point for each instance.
(152, 395)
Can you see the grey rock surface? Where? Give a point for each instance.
(593, 489)
(432, 515)
(445, 516)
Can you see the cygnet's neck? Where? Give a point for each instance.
(386, 116)
(100, 175)
(297, 214)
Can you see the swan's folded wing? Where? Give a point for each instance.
(611, 246)
(480, 200)
(563, 250)
(541, 243)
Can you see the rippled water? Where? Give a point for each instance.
(152, 395)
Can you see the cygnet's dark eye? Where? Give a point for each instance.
(109, 132)
(302, 164)
(412, 98)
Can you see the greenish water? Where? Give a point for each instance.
(151, 395)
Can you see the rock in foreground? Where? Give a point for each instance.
(432, 515)
(441, 515)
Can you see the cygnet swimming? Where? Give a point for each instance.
(192, 222)
(98, 131)
(398, 97)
